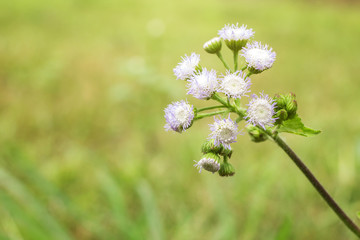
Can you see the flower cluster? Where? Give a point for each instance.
(229, 89)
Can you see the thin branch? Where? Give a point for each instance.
(319, 188)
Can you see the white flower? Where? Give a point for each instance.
(209, 162)
(224, 131)
(179, 116)
(261, 111)
(235, 37)
(235, 84)
(234, 32)
(187, 66)
(258, 57)
(203, 84)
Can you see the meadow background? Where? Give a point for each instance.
(83, 152)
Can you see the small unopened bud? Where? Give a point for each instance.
(281, 115)
(209, 161)
(280, 102)
(209, 146)
(291, 108)
(256, 134)
(213, 46)
(286, 106)
(226, 169)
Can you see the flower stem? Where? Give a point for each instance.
(319, 188)
(219, 99)
(200, 116)
(209, 108)
(236, 57)
(222, 59)
(249, 74)
(232, 108)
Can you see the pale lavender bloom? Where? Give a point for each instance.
(187, 66)
(261, 111)
(234, 32)
(203, 84)
(208, 163)
(258, 57)
(224, 131)
(235, 84)
(179, 116)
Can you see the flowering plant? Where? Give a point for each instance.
(265, 116)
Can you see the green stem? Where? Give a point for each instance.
(209, 108)
(243, 69)
(220, 100)
(236, 57)
(249, 74)
(222, 59)
(232, 108)
(200, 116)
(319, 188)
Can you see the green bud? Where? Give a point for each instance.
(226, 152)
(213, 46)
(209, 146)
(280, 102)
(291, 108)
(226, 169)
(285, 103)
(281, 116)
(256, 134)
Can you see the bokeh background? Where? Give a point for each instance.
(83, 152)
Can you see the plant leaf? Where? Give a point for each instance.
(295, 126)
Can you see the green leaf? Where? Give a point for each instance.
(358, 215)
(295, 126)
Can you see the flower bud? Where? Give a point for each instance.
(213, 46)
(226, 152)
(210, 147)
(291, 107)
(226, 169)
(256, 134)
(281, 115)
(280, 102)
(286, 106)
(210, 162)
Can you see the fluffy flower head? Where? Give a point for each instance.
(224, 131)
(261, 111)
(187, 66)
(179, 116)
(235, 84)
(203, 84)
(258, 57)
(209, 162)
(234, 32)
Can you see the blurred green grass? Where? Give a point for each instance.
(83, 151)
